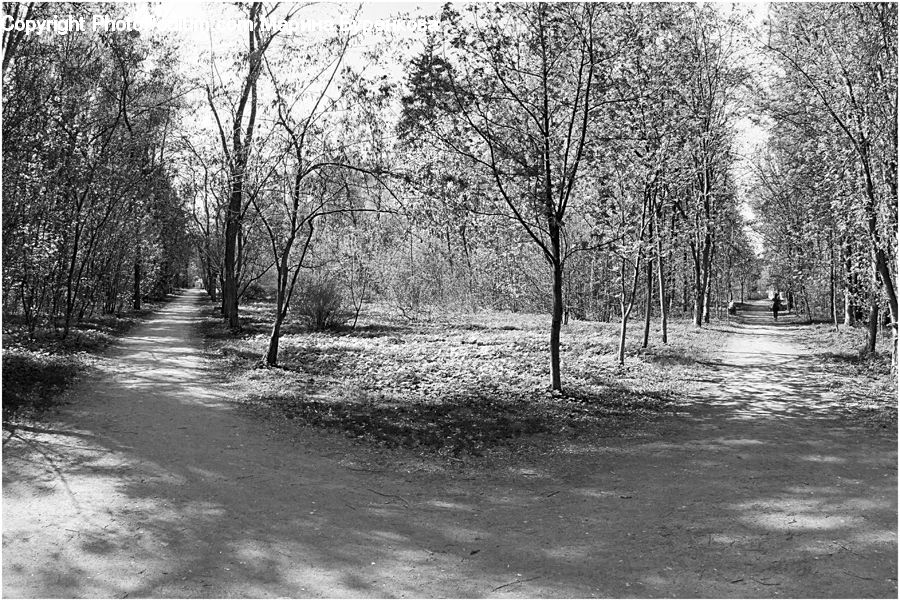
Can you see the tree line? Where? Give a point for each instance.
(92, 221)
(573, 159)
(826, 185)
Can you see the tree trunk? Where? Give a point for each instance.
(649, 305)
(136, 296)
(556, 322)
(663, 309)
(626, 309)
(622, 331)
(280, 299)
(240, 150)
(849, 285)
(707, 297)
(805, 297)
(229, 289)
(882, 268)
(274, 337)
(849, 309)
(699, 293)
(832, 296)
(212, 280)
(592, 296)
(717, 303)
(872, 330)
(470, 270)
(702, 269)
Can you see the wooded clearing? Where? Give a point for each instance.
(382, 283)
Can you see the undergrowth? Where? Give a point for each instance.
(457, 385)
(465, 383)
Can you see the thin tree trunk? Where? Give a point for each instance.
(649, 305)
(212, 280)
(872, 330)
(555, 325)
(663, 310)
(699, 293)
(626, 309)
(222, 295)
(280, 301)
(556, 320)
(805, 297)
(357, 307)
(880, 259)
(849, 285)
(136, 296)
(717, 300)
(849, 309)
(229, 289)
(707, 289)
(275, 336)
(832, 297)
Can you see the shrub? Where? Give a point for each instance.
(321, 304)
(411, 292)
(255, 291)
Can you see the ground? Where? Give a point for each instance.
(151, 482)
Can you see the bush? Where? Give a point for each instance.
(411, 292)
(321, 304)
(255, 291)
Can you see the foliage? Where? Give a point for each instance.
(91, 217)
(468, 424)
(827, 185)
(321, 304)
(579, 160)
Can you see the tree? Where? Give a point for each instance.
(236, 148)
(512, 93)
(319, 164)
(88, 197)
(843, 59)
(711, 80)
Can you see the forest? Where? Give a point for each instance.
(514, 160)
(454, 228)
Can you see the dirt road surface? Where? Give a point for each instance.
(149, 484)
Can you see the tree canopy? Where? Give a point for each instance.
(575, 159)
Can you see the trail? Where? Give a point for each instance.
(149, 484)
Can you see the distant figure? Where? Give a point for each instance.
(776, 306)
(732, 308)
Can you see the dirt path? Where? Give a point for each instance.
(150, 485)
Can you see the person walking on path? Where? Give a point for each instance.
(776, 306)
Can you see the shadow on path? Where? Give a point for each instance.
(148, 485)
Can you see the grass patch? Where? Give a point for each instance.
(466, 423)
(459, 384)
(865, 383)
(462, 384)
